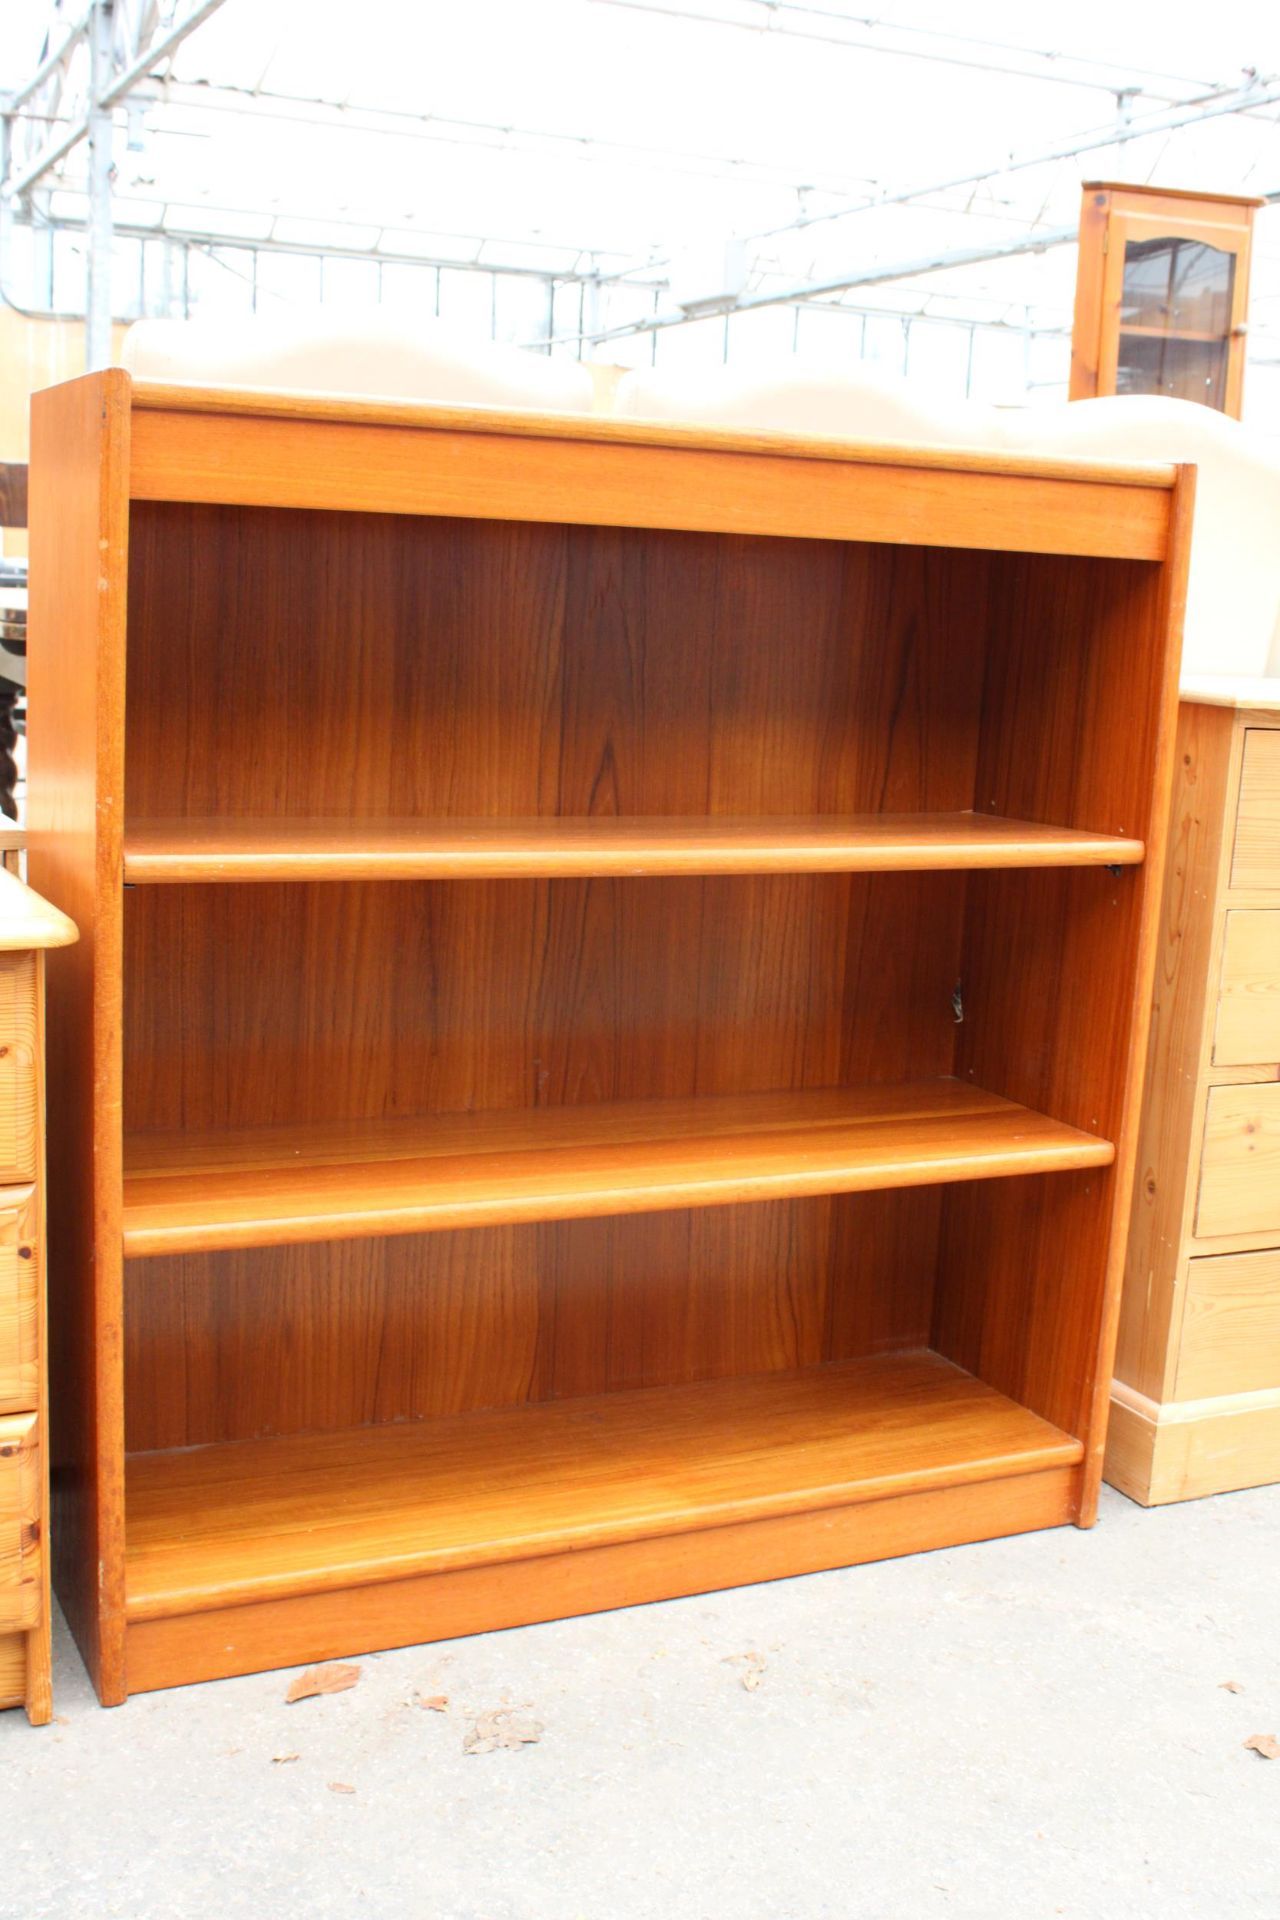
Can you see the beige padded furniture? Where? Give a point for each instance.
(373, 355)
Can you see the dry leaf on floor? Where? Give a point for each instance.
(340, 1786)
(333, 1679)
(754, 1663)
(1266, 1744)
(1230, 1686)
(282, 1759)
(432, 1702)
(502, 1728)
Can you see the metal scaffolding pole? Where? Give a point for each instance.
(97, 330)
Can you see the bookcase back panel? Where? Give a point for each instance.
(329, 664)
(350, 1333)
(263, 1005)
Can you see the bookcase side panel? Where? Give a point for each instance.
(1057, 970)
(79, 539)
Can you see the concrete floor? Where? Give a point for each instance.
(1030, 1728)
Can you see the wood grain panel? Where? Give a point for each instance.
(13, 1669)
(1130, 1449)
(76, 621)
(1197, 830)
(290, 1339)
(1186, 1449)
(21, 1533)
(508, 671)
(498, 996)
(630, 480)
(1248, 1024)
(13, 493)
(1240, 1166)
(20, 1295)
(1257, 849)
(323, 1626)
(1230, 1339)
(218, 1526)
(1086, 329)
(19, 1142)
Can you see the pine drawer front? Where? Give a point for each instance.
(1240, 1165)
(1248, 1027)
(1256, 859)
(20, 1505)
(19, 1304)
(1231, 1326)
(17, 1068)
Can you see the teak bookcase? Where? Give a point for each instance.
(602, 1058)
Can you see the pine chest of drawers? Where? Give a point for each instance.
(27, 925)
(1196, 1401)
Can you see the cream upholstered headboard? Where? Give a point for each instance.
(376, 356)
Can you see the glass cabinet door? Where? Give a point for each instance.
(1162, 294)
(1176, 302)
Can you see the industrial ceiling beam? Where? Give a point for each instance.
(50, 64)
(400, 124)
(386, 246)
(870, 33)
(1034, 242)
(795, 295)
(588, 263)
(1258, 93)
(115, 87)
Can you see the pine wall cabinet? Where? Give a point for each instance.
(1162, 294)
(1196, 1405)
(602, 1060)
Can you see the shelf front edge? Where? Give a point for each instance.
(306, 1548)
(226, 1226)
(178, 1649)
(156, 853)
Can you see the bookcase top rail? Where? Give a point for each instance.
(356, 410)
(249, 448)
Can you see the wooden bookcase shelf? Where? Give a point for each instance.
(220, 1526)
(160, 851)
(185, 1194)
(601, 1061)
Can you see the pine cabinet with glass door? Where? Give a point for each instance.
(1162, 293)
